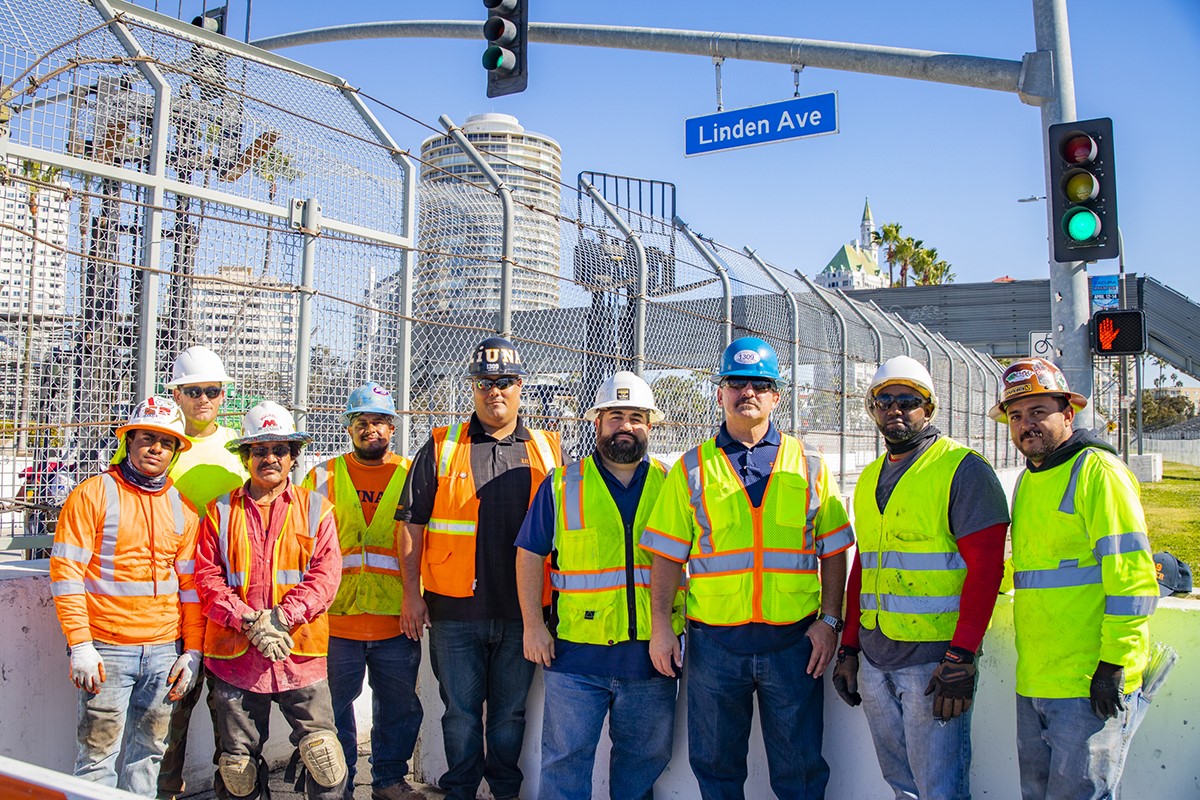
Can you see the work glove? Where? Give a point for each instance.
(953, 684)
(268, 633)
(1108, 690)
(183, 674)
(87, 667)
(845, 675)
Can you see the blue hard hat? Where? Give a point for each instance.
(370, 398)
(493, 357)
(749, 357)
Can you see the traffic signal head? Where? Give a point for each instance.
(1083, 191)
(507, 32)
(1119, 333)
(212, 20)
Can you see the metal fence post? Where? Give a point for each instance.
(887, 317)
(951, 406)
(971, 411)
(812, 287)
(711, 258)
(504, 320)
(310, 228)
(794, 415)
(639, 252)
(152, 217)
(968, 408)
(853, 306)
(404, 331)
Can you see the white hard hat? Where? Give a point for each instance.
(158, 414)
(625, 390)
(197, 364)
(268, 422)
(905, 371)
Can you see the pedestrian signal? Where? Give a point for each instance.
(1119, 333)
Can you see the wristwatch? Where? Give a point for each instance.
(832, 621)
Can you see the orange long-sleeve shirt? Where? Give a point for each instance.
(123, 563)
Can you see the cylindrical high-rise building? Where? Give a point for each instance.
(459, 226)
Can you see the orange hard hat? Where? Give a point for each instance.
(1031, 376)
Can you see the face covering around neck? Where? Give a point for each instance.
(140, 479)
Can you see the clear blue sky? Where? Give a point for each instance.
(946, 162)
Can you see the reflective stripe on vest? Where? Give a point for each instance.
(912, 572)
(106, 583)
(773, 545)
(601, 596)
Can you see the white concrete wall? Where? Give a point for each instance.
(38, 703)
(1185, 451)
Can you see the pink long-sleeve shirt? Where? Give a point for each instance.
(310, 598)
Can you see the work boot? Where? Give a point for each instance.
(397, 791)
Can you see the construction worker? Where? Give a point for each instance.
(755, 517)
(364, 622)
(1084, 591)
(201, 473)
(588, 517)
(267, 569)
(931, 519)
(463, 503)
(121, 572)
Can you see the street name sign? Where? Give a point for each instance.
(797, 118)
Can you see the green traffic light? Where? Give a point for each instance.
(499, 59)
(1081, 225)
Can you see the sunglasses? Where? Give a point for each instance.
(486, 384)
(211, 392)
(905, 402)
(279, 451)
(740, 384)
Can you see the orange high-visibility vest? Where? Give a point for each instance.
(289, 562)
(448, 565)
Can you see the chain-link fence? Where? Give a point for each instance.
(166, 187)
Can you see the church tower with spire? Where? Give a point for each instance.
(865, 229)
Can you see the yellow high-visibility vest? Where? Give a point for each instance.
(912, 573)
(596, 571)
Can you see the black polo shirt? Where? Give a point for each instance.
(502, 485)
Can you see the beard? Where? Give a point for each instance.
(622, 448)
(899, 431)
(373, 450)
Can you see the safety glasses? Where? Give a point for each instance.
(279, 451)
(740, 384)
(486, 384)
(905, 402)
(194, 392)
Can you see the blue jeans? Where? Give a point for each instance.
(919, 756)
(641, 721)
(791, 703)
(391, 667)
(477, 662)
(1067, 753)
(130, 716)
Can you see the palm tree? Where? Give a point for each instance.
(889, 237)
(906, 251)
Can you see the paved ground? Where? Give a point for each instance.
(284, 790)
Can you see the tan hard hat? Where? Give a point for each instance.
(1029, 377)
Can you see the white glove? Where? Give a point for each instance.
(183, 674)
(87, 668)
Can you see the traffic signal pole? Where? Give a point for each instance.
(1070, 303)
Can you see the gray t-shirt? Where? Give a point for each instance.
(977, 501)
